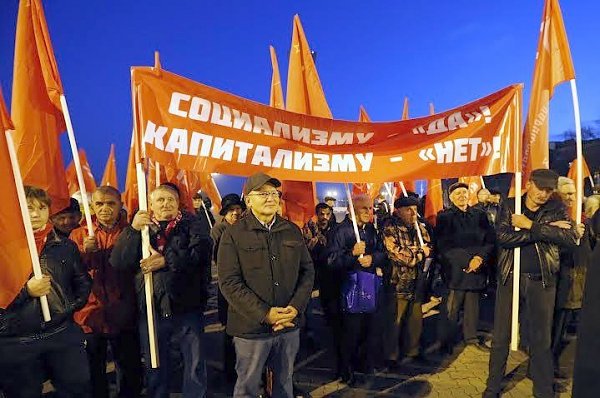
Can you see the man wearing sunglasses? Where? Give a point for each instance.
(266, 274)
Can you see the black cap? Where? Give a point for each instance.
(232, 199)
(72, 208)
(405, 201)
(257, 180)
(544, 178)
(457, 185)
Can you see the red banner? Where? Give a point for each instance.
(193, 126)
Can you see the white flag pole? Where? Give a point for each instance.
(206, 212)
(77, 163)
(579, 151)
(482, 182)
(148, 284)
(591, 181)
(403, 189)
(419, 233)
(35, 259)
(352, 212)
(156, 174)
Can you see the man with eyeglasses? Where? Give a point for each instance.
(266, 274)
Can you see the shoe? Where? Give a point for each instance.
(348, 378)
(478, 346)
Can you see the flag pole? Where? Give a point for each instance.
(514, 332)
(206, 212)
(482, 182)
(419, 233)
(579, 151)
(35, 259)
(148, 283)
(156, 174)
(77, 163)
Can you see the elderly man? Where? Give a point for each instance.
(31, 348)
(66, 220)
(266, 275)
(180, 265)
(543, 228)
(232, 207)
(571, 277)
(465, 242)
(109, 316)
(407, 258)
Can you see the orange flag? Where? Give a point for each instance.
(372, 190)
(434, 200)
(110, 170)
(276, 98)
(14, 251)
(572, 174)
(553, 66)
(405, 109)
(88, 177)
(304, 95)
(130, 193)
(36, 109)
(474, 184)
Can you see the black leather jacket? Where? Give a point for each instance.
(70, 287)
(547, 239)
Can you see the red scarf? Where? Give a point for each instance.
(163, 235)
(41, 236)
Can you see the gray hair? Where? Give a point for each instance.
(562, 181)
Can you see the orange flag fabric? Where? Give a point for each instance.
(304, 95)
(372, 190)
(14, 251)
(405, 109)
(434, 200)
(110, 170)
(130, 193)
(36, 109)
(276, 97)
(474, 184)
(572, 174)
(553, 66)
(88, 177)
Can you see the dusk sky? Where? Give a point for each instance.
(369, 53)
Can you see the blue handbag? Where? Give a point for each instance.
(359, 292)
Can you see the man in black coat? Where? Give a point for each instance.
(266, 274)
(465, 242)
(180, 265)
(544, 227)
(31, 348)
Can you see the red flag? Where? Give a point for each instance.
(405, 109)
(110, 170)
(434, 200)
(553, 66)
(276, 98)
(88, 177)
(36, 109)
(14, 251)
(304, 95)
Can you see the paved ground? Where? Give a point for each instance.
(460, 375)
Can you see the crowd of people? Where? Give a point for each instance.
(371, 274)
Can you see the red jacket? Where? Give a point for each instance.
(111, 306)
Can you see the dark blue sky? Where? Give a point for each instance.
(370, 53)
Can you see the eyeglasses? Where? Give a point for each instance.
(267, 195)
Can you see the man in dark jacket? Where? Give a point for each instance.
(180, 266)
(109, 317)
(231, 210)
(464, 241)
(366, 255)
(67, 219)
(544, 227)
(266, 275)
(31, 348)
(407, 260)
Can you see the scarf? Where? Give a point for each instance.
(162, 235)
(41, 236)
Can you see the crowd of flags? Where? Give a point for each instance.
(37, 120)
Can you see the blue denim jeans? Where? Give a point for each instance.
(279, 352)
(186, 331)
